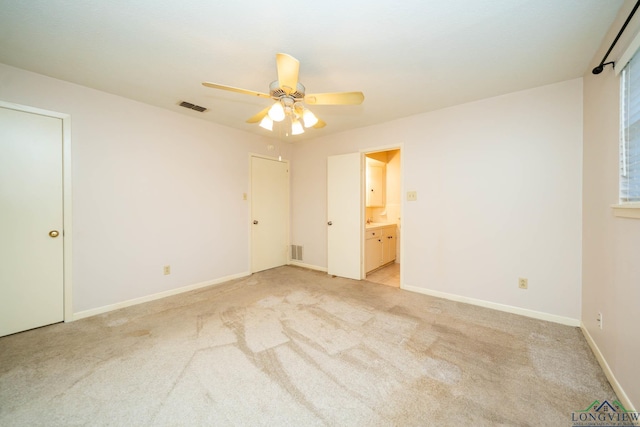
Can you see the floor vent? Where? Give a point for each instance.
(192, 106)
(296, 253)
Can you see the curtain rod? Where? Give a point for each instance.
(600, 67)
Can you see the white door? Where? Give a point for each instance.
(269, 213)
(344, 183)
(31, 248)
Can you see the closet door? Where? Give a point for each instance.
(31, 209)
(269, 213)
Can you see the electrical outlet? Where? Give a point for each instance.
(523, 283)
(166, 270)
(412, 196)
(599, 320)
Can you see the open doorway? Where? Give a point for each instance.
(382, 220)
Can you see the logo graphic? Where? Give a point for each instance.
(605, 413)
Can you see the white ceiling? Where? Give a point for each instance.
(408, 57)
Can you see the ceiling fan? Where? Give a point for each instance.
(290, 98)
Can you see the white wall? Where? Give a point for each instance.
(611, 245)
(499, 197)
(150, 187)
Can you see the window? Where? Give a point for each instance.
(630, 132)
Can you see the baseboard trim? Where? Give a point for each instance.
(107, 308)
(622, 396)
(309, 266)
(496, 306)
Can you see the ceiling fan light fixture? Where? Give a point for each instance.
(276, 112)
(266, 123)
(296, 127)
(290, 99)
(309, 118)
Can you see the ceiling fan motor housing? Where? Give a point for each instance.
(277, 92)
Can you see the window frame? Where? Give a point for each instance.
(625, 209)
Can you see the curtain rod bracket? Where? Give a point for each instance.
(600, 67)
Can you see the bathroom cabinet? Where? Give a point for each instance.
(380, 246)
(375, 182)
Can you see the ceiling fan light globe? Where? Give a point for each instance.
(276, 112)
(266, 123)
(309, 118)
(296, 128)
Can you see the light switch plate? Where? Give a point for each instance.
(412, 196)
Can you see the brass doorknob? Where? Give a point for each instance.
(54, 233)
(255, 222)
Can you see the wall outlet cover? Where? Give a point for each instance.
(523, 283)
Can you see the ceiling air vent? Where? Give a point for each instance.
(192, 106)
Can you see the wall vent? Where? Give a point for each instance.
(192, 106)
(296, 253)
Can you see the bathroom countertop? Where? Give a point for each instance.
(373, 225)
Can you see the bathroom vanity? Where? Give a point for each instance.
(380, 245)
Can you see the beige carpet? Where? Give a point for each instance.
(295, 347)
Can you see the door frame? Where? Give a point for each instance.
(67, 234)
(363, 202)
(250, 206)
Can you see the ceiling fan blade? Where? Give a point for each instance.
(288, 68)
(319, 125)
(235, 89)
(258, 117)
(336, 98)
